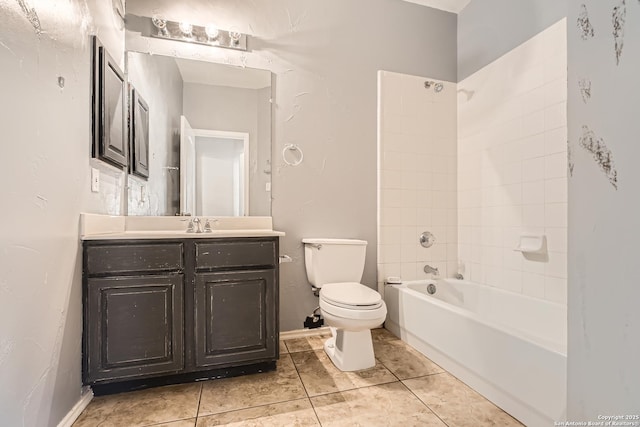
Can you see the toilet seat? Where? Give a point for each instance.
(352, 301)
(350, 295)
(354, 313)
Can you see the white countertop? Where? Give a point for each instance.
(169, 234)
(108, 227)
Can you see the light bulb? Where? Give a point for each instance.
(234, 35)
(186, 28)
(160, 23)
(212, 31)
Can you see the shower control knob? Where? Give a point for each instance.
(427, 239)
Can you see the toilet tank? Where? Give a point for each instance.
(334, 260)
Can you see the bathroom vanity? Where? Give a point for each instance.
(178, 306)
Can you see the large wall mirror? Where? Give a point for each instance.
(209, 138)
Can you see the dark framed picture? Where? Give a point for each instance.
(139, 135)
(109, 108)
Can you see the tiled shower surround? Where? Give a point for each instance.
(477, 164)
(512, 167)
(417, 176)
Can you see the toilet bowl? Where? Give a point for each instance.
(350, 347)
(351, 309)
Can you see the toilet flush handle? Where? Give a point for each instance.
(317, 246)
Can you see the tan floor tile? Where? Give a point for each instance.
(182, 423)
(315, 342)
(381, 405)
(456, 403)
(320, 376)
(403, 360)
(381, 334)
(292, 413)
(252, 390)
(142, 408)
(369, 398)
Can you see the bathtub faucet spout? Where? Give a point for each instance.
(431, 270)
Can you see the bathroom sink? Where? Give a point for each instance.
(101, 227)
(176, 234)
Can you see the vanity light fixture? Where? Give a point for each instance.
(209, 35)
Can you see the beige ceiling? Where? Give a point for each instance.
(454, 6)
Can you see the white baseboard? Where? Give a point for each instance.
(301, 333)
(74, 413)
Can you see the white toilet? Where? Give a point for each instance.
(351, 309)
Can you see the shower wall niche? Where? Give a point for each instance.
(417, 167)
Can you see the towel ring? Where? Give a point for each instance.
(292, 147)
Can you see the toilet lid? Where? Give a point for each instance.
(350, 294)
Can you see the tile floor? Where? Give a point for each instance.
(403, 389)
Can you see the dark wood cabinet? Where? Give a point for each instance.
(235, 317)
(138, 135)
(109, 108)
(127, 258)
(134, 326)
(165, 307)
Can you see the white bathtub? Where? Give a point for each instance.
(509, 347)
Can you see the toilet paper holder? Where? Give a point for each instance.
(284, 259)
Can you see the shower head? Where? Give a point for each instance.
(437, 87)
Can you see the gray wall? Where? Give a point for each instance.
(45, 175)
(325, 56)
(221, 108)
(604, 222)
(237, 110)
(157, 79)
(487, 29)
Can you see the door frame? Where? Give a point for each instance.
(240, 136)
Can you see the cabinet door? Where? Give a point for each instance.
(109, 108)
(235, 317)
(133, 327)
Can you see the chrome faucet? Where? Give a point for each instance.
(198, 223)
(195, 225)
(207, 225)
(431, 270)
